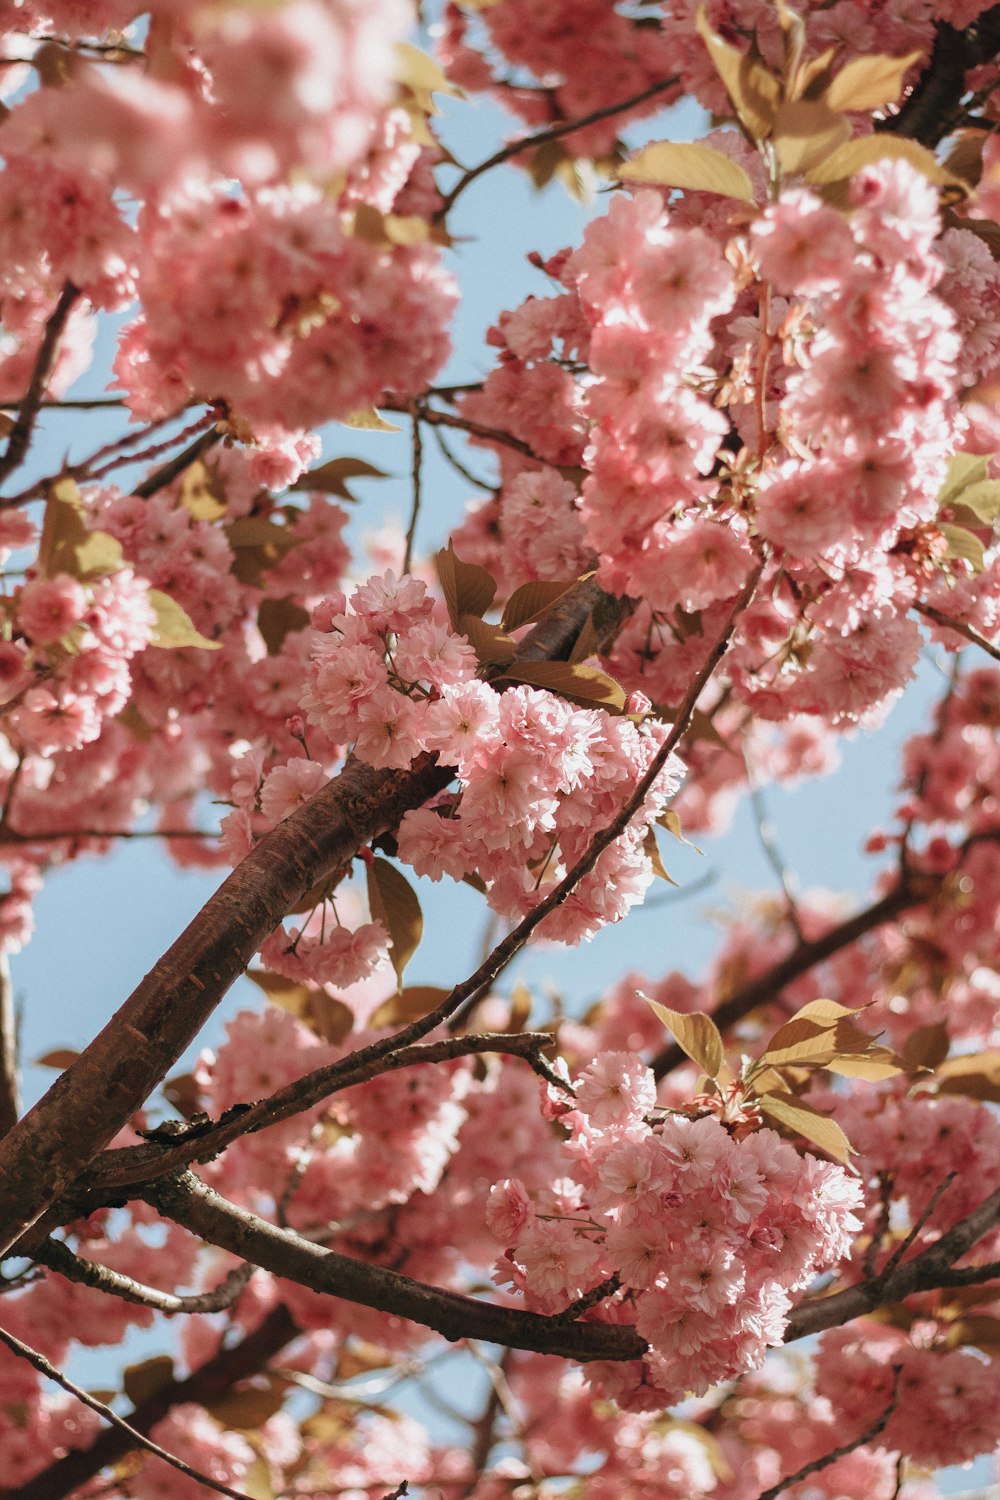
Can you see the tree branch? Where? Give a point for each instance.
(932, 110)
(959, 627)
(816, 1464)
(551, 133)
(208, 1383)
(804, 956)
(139, 1440)
(20, 433)
(189, 1202)
(58, 1257)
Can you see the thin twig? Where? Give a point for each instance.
(461, 424)
(81, 403)
(910, 1240)
(169, 471)
(458, 466)
(11, 835)
(551, 133)
(20, 434)
(959, 627)
(766, 839)
(868, 1436)
(43, 1366)
(155, 450)
(60, 1258)
(417, 450)
(130, 1166)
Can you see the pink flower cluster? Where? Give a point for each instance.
(708, 1236)
(263, 301)
(67, 669)
(536, 775)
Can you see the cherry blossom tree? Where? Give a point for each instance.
(742, 454)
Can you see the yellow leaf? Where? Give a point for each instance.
(802, 1119)
(694, 167)
(671, 821)
(584, 685)
(754, 91)
(201, 493)
(393, 902)
(67, 545)
(422, 76)
(866, 83)
(173, 626)
(144, 1380)
(695, 1033)
(868, 149)
(411, 1004)
(805, 132)
(651, 849)
(531, 601)
(873, 1065)
(964, 470)
(965, 545)
(368, 420)
(468, 589)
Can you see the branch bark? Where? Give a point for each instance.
(189, 1202)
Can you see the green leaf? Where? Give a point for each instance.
(393, 902)
(173, 626)
(468, 589)
(331, 478)
(584, 685)
(800, 1118)
(411, 1004)
(694, 167)
(964, 470)
(695, 1033)
(531, 601)
(867, 83)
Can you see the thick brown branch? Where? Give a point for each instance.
(931, 1269)
(210, 1382)
(101, 1090)
(803, 957)
(190, 1202)
(932, 111)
